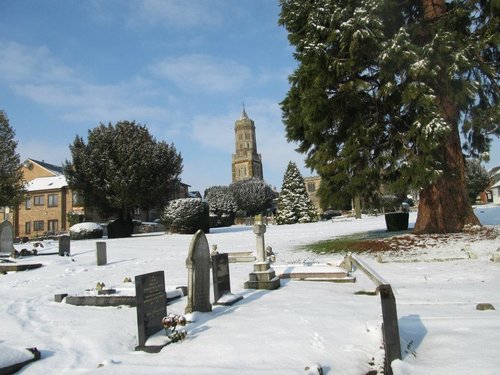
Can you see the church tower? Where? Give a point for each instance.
(247, 162)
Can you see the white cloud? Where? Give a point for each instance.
(203, 73)
(176, 13)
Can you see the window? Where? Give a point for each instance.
(311, 188)
(38, 200)
(38, 225)
(52, 200)
(52, 225)
(28, 203)
(27, 227)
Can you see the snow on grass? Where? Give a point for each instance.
(301, 324)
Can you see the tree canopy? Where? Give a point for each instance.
(382, 90)
(122, 167)
(11, 176)
(253, 195)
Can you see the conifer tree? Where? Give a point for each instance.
(383, 89)
(294, 204)
(11, 177)
(222, 205)
(253, 195)
(122, 167)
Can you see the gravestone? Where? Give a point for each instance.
(263, 277)
(101, 255)
(390, 326)
(6, 237)
(221, 281)
(64, 245)
(151, 308)
(198, 265)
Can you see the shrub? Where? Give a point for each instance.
(186, 216)
(222, 206)
(85, 231)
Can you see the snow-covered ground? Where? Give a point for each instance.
(300, 325)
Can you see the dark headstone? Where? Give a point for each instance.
(6, 237)
(101, 254)
(120, 228)
(221, 281)
(60, 297)
(390, 327)
(198, 265)
(64, 245)
(151, 307)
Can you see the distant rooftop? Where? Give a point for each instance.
(57, 170)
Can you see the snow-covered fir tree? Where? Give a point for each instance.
(294, 204)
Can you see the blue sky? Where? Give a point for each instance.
(183, 68)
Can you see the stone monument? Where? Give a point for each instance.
(151, 308)
(64, 245)
(6, 237)
(263, 277)
(222, 281)
(198, 265)
(101, 254)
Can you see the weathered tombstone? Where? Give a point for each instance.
(101, 254)
(198, 265)
(6, 237)
(64, 245)
(221, 281)
(151, 308)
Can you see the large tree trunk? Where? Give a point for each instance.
(444, 206)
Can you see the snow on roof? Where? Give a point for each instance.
(47, 183)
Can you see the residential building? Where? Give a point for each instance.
(47, 202)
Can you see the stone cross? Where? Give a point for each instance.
(259, 229)
(6, 237)
(198, 265)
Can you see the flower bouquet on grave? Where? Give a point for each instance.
(171, 323)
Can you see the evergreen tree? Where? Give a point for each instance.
(294, 204)
(222, 205)
(252, 195)
(381, 91)
(122, 167)
(477, 178)
(11, 177)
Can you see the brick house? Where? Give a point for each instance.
(47, 202)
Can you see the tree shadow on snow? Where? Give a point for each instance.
(412, 332)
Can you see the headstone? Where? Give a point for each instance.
(64, 245)
(221, 281)
(102, 259)
(6, 237)
(198, 265)
(151, 308)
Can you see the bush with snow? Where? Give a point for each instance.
(186, 216)
(253, 196)
(222, 206)
(85, 231)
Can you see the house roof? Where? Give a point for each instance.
(47, 183)
(56, 170)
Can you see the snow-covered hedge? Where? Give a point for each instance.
(84, 231)
(222, 206)
(186, 216)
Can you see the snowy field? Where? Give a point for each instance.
(300, 325)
